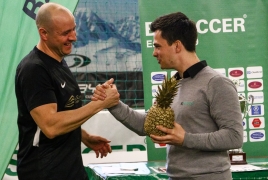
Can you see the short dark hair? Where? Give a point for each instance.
(176, 26)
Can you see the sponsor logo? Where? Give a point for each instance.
(63, 85)
(255, 84)
(254, 72)
(84, 87)
(187, 103)
(158, 77)
(33, 5)
(236, 73)
(73, 100)
(76, 60)
(258, 97)
(221, 71)
(256, 122)
(161, 145)
(225, 25)
(256, 110)
(257, 135)
(155, 89)
(203, 26)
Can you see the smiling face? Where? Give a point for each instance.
(164, 53)
(61, 35)
(56, 26)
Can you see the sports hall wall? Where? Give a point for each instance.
(114, 41)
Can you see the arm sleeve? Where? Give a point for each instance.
(225, 110)
(130, 118)
(36, 86)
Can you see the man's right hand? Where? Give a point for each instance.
(112, 96)
(100, 91)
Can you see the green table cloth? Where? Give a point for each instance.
(154, 175)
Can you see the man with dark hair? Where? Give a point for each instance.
(176, 26)
(50, 112)
(204, 129)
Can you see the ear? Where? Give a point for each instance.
(178, 46)
(43, 33)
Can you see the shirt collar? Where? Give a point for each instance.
(193, 70)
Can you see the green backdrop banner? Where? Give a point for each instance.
(18, 35)
(232, 37)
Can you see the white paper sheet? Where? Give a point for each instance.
(246, 167)
(120, 168)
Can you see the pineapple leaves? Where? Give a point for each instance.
(166, 94)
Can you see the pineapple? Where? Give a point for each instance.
(161, 112)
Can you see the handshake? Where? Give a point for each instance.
(107, 94)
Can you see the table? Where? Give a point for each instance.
(154, 175)
(250, 175)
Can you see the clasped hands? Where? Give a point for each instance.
(107, 93)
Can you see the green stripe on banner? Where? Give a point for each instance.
(18, 35)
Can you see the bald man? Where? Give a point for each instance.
(50, 111)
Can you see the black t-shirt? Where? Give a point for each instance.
(40, 80)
